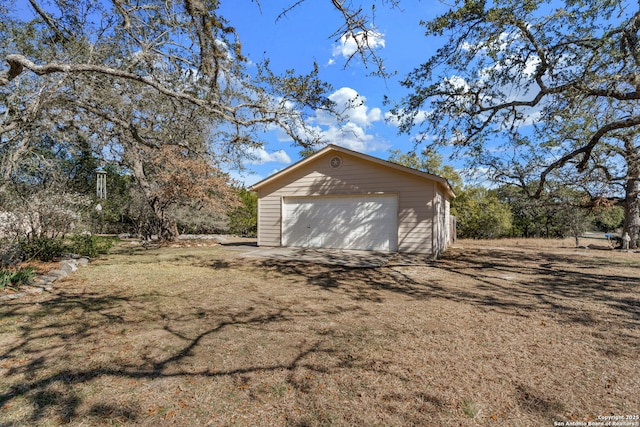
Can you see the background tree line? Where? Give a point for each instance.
(509, 211)
(56, 192)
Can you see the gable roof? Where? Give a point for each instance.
(329, 148)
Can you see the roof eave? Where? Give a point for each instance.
(290, 168)
(440, 180)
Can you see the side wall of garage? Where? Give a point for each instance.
(355, 176)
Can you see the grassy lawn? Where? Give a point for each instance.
(503, 333)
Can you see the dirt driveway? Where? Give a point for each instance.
(338, 257)
(248, 248)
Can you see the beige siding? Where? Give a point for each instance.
(355, 176)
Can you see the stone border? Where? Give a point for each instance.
(45, 282)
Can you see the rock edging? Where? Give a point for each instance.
(45, 281)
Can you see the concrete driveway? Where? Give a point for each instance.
(345, 258)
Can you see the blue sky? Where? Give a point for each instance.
(304, 36)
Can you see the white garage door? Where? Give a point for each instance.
(353, 222)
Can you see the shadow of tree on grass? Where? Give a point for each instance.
(513, 282)
(49, 378)
(68, 340)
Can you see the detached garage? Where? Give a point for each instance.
(339, 198)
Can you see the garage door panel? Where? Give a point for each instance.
(358, 222)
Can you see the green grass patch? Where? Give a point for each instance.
(16, 277)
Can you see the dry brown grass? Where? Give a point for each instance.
(501, 333)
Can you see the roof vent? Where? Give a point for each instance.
(336, 162)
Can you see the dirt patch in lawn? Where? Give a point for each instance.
(499, 333)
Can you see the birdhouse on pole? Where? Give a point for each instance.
(101, 183)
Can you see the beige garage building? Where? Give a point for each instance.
(339, 198)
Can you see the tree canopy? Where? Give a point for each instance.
(140, 83)
(509, 64)
(531, 90)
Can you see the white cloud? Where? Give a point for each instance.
(509, 64)
(394, 119)
(351, 132)
(358, 117)
(260, 156)
(456, 83)
(478, 176)
(348, 44)
(353, 107)
(352, 136)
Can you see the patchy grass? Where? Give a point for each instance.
(499, 333)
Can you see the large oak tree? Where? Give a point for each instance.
(513, 81)
(134, 77)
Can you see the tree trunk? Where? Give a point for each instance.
(168, 229)
(632, 212)
(632, 191)
(161, 226)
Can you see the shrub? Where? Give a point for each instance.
(23, 276)
(91, 246)
(42, 248)
(10, 252)
(5, 278)
(243, 220)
